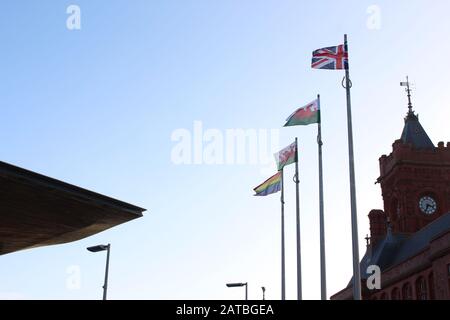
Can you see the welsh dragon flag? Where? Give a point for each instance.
(304, 115)
(286, 156)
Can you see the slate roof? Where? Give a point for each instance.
(397, 248)
(414, 133)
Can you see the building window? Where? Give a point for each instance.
(395, 210)
(395, 294)
(383, 296)
(448, 269)
(421, 289)
(431, 286)
(407, 292)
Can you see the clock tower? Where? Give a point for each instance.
(410, 239)
(414, 178)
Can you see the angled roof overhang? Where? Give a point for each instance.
(36, 210)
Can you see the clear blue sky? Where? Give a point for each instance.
(96, 107)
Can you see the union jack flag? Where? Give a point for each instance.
(330, 58)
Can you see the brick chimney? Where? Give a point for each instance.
(377, 226)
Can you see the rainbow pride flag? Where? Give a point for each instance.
(271, 185)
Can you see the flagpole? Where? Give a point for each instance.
(356, 270)
(323, 272)
(297, 203)
(283, 283)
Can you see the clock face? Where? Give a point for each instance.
(427, 205)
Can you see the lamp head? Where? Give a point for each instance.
(232, 285)
(100, 247)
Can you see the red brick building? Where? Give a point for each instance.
(410, 238)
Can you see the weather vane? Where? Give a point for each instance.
(408, 91)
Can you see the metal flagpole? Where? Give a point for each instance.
(356, 271)
(323, 272)
(283, 283)
(297, 203)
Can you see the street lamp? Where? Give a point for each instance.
(232, 285)
(99, 248)
(264, 292)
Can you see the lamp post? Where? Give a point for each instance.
(264, 292)
(99, 248)
(232, 285)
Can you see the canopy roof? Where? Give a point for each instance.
(36, 210)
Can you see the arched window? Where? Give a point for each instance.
(383, 296)
(395, 294)
(421, 289)
(431, 285)
(407, 291)
(395, 209)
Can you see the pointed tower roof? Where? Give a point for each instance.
(413, 132)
